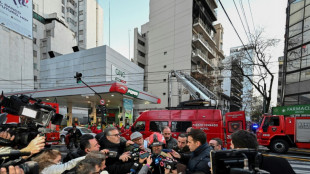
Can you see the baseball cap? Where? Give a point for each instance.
(135, 135)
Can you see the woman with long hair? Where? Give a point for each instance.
(50, 162)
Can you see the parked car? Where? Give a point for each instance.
(65, 130)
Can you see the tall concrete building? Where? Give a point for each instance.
(280, 80)
(60, 25)
(16, 63)
(180, 35)
(296, 65)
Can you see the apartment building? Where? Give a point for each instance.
(296, 64)
(180, 35)
(60, 25)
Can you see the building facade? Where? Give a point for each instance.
(180, 35)
(58, 26)
(296, 64)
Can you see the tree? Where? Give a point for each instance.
(253, 62)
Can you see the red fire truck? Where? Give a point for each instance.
(211, 121)
(51, 131)
(279, 133)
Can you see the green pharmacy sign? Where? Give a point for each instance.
(291, 110)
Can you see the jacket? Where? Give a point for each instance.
(199, 159)
(59, 168)
(74, 154)
(172, 142)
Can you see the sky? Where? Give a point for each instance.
(268, 15)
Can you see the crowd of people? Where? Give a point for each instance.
(160, 153)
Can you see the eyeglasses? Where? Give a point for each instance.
(116, 135)
(167, 133)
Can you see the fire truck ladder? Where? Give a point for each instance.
(196, 89)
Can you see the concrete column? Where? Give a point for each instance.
(93, 114)
(69, 114)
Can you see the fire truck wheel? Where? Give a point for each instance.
(279, 146)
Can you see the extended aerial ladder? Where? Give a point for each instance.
(195, 88)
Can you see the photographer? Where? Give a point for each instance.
(74, 136)
(198, 160)
(274, 165)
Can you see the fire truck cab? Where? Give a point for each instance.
(279, 133)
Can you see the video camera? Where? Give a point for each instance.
(32, 113)
(241, 161)
(169, 163)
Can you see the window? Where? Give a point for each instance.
(141, 42)
(140, 126)
(35, 66)
(164, 80)
(81, 32)
(63, 2)
(35, 54)
(296, 17)
(292, 78)
(305, 75)
(44, 43)
(48, 33)
(81, 12)
(295, 41)
(141, 65)
(273, 121)
(35, 78)
(165, 52)
(34, 40)
(34, 27)
(63, 9)
(180, 126)
(141, 54)
(157, 126)
(44, 56)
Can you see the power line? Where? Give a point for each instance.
(241, 21)
(246, 21)
(251, 15)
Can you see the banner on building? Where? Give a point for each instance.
(128, 106)
(17, 16)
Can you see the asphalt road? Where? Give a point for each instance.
(298, 158)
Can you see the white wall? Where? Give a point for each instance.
(16, 57)
(170, 31)
(95, 65)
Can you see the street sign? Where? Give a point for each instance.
(102, 102)
(291, 110)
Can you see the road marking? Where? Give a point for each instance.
(294, 158)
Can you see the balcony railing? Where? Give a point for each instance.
(205, 27)
(197, 68)
(199, 53)
(205, 43)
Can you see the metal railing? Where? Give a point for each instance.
(198, 52)
(205, 43)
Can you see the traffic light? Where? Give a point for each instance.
(102, 109)
(78, 77)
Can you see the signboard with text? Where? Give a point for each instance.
(291, 110)
(119, 75)
(17, 16)
(132, 93)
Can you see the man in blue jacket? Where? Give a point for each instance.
(198, 160)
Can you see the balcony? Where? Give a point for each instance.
(200, 27)
(199, 69)
(235, 96)
(236, 83)
(200, 42)
(204, 79)
(198, 55)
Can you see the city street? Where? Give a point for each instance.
(298, 158)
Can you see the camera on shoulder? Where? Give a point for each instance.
(235, 161)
